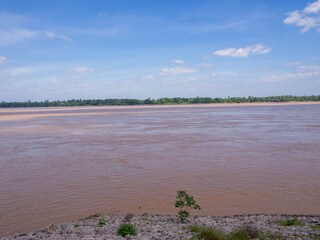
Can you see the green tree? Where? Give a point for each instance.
(184, 202)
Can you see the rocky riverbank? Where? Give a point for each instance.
(276, 226)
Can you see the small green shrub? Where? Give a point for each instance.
(206, 233)
(125, 229)
(244, 233)
(128, 217)
(194, 228)
(240, 234)
(97, 215)
(252, 231)
(289, 222)
(211, 234)
(314, 227)
(102, 222)
(51, 227)
(76, 225)
(273, 236)
(185, 202)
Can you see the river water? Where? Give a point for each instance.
(60, 164)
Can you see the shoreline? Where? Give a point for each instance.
(21, 109)
(9, 114)
(170, 227)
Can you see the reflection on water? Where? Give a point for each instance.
(69, 163)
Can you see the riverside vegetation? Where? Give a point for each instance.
(170, 227)
(161, 101)
(183, 226)
(184, 202)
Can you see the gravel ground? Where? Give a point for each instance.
(169, 227)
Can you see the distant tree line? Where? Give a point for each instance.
(161, 101)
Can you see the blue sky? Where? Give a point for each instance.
(59, 50)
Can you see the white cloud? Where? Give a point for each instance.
(213, 75)
(102, 14)
(56, 36)
(16, 72)
(148, 76)
(260, 70)
(81, 85)
(177, 71)
(260, 49)
(82, 70)
(243, 52)
(309, 68)
(206, 65)
(179, 61)
(180, 81)
(225, 52)
(206, 57)
(2, 59)
(11, 36)
(313, 7)
(303, 19)
(239, 24)
(12, 30)
(289, 76)
(303, 72)
(292, 64)
(55, 82)
(100, 32)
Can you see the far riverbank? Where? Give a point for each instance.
(159, 101)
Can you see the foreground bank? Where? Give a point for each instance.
(250, 226)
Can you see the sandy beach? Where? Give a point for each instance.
(10, 114)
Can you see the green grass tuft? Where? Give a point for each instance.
(195, 228)
(206, 233)
(125, 229)
(94, 216)
(244, 233)
(128, 217)
(289, 222)
(240, 234)
(102, 222)
(314, 227)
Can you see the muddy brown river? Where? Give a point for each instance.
(60, 164)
